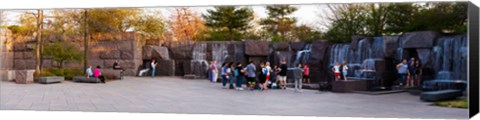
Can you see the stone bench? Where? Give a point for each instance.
(86, 80)
(350, 85)
(440, 95)
(52, 79)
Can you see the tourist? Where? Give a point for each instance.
(89, 72)
(116, 66)
(274, 77)
(262, 77)
(283, 74)
(344, 70)
(230, 78)
(336, 71)
(411, 73)
(297, 76)
(306, 73)
(402, 69)
(418, 73)
(153, 64)
(214, 71)
(97, 73)
(239, 73)
(250, 69)
(224, 75)
(268, 70)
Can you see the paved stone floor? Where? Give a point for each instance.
(175, 95)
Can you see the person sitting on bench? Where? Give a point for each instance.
(89, 71)
(97, 73)
(117, 67)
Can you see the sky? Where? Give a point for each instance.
(306, 14)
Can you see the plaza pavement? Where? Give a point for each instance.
(176, 95)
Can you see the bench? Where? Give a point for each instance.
(190, 76)
(434, 85)
(52, 79)
(440, 95)
(85, 79)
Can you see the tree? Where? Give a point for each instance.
(2, 19)
(347, 20)
(278, 21)
(306, 33)
(227, 23)
(62, 51)
(151, 25)
(186, 24)
(112, 19)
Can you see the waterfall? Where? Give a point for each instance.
(361, 62)
(303, 55)
(450, 54)
(219, 53)
(199, 64)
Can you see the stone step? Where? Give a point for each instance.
(440, 95)
(190, 76)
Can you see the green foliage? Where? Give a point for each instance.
(18, 30)
(62, 52)
(228, 23)
(68, 73)
(458, 103)
(306, 33)
(396, 18)
(278, 22)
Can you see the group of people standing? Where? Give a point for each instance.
(340, 71)
(410, 71)
(263, 78)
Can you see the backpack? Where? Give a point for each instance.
(235, 72)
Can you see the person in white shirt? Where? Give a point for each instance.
(153, 65)
(345, 69)
(268, 69)
(336, 71)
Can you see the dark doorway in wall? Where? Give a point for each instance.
(409, 53)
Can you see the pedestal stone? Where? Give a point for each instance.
(24, 76)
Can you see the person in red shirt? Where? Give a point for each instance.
(306, 73)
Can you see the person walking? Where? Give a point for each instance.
(153, 65)
(239, 73)
(297, 76)
(306, 73)
(402, 69)
(214, 71)
(283, 74)
(224, 75)
(250, 70)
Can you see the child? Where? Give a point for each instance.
(336, 71)
(239, 73)
(297, 76)
(345, 69)
(306, 73)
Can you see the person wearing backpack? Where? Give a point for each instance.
(239, 73)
